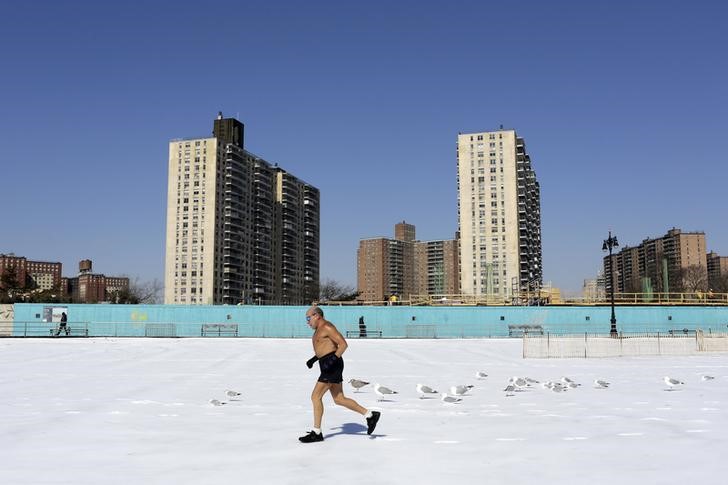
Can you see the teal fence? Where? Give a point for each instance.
(104, 320)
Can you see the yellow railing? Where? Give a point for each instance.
(534, 299)
(684, 298)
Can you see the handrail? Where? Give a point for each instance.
(545, 298)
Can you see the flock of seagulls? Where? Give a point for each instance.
(423, 390)
(675, 384)
(232, 395)
(515, 384)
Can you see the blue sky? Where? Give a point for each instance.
(623, 106)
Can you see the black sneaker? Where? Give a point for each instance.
(311, 437)
(372, 422)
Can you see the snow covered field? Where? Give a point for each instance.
(91, 411)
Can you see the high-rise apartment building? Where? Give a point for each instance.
(436, 267)
(404, 267)
(499, 215)
(239, 229)
(717, 272)
(672, 263)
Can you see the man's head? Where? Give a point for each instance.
(314, 316)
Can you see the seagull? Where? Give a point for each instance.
(480, 375)
(569, 382)
(531, 381)
(548, 384)
(510, 388)
(707, 378)
(450, 399)
(558, 387)
(460, 390)
(672, 383)
(383, 391)
(233, 394)
(357, 384)
(518, 381)
(215, 402)
(423, 389)
(599, 384)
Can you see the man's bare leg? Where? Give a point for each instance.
(316, 399)
(318, 412)
(337, 393)
(372, 417)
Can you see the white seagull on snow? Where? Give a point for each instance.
(672, 383)
(423, 389)
(383, 391)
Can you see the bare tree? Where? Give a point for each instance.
(331, 290)
(147, 292)
(720, 284)
(694, 278)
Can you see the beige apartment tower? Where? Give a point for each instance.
(239, 229)
(499, 214)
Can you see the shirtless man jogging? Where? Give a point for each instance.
(329, 345)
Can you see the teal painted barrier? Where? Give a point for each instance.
(103, 320)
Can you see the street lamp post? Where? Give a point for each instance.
(609, 243)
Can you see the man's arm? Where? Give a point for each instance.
(338, 340)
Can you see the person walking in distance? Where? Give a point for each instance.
(328, 346)
(63, 325)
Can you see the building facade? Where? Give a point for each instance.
(90, 287)
(499, 215)
(436, 267)
(673, 263)
(239, 229)
(31, 275)
(717, 272)
(593, 289)
(404, 267)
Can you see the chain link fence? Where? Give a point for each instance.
(624, 344)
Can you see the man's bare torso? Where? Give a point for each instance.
(322, 343)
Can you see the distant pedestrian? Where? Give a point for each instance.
(63, 325)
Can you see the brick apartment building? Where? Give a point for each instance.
(90, 287)
(31, 275)
(404, 267)
(675, 262)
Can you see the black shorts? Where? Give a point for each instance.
(332, 369)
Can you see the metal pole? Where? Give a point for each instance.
(613, 320)
(609, 243)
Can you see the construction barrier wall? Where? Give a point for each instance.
(105, 320)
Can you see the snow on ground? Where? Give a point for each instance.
(90, 411)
